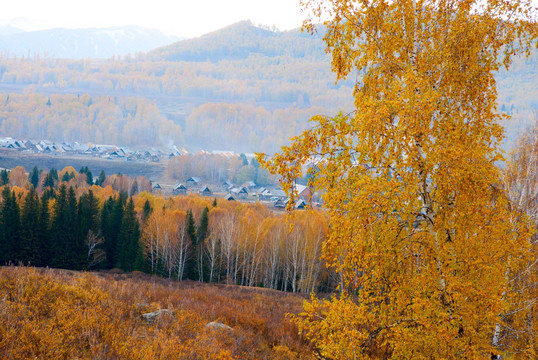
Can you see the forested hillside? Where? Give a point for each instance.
(242, 88)
(57, 219)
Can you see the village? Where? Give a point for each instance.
(246, 192)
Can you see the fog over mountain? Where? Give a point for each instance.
(81, 43)
(243, 88)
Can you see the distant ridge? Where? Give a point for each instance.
(81, 43)
(238, 41)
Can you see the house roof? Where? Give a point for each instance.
(300, 204)
(239, 190)
(300, 188)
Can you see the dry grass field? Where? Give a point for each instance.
(58, 314)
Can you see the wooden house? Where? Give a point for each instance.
(240, 192)
(193, 182)
(206, 191)
(179, 189)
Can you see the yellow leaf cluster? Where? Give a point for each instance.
(421, 231)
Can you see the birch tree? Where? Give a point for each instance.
(421, 231)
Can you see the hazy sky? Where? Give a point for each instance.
(186, 18)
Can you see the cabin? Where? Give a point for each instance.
(227, 185)
(300, 204)
(303, 192)
(206, 191)
(280, 203)
(240, 192)
(193, 182)
(249, 184)
(229, 197)
(179, 189)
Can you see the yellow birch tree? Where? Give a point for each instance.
(420, 229)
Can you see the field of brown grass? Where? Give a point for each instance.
(58, 314)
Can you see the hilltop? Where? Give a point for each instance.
(242, 88)
(241, 40)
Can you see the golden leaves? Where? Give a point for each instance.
(420, 233)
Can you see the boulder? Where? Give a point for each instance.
(151, 316)
(217, 326)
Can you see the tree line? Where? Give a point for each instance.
(63, 222)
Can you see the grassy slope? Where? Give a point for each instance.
(60, 314)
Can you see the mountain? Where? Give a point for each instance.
(242, 88)
(81, 43)
(241, 40)
(9, 30)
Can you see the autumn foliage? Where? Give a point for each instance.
(426, 241)
(58, 314)
(68, 224)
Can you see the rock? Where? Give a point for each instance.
(217, 326)
(151, 316)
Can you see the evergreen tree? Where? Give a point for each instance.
(130, 253)
(111, 226)
(88, 216)
(4, 177)
(10, 228)
(190, 265)
(49, 181)
(89, 176)
(54, 174)
(59, 230)
(134, 188)
(68, 246)
(30, 247)
(147, 210)
(101, 179)
(109, 246)
(201, 235)
(44, 238)
(34, 177)
(67, 176)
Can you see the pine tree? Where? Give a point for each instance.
(34, 177)
(67, 245)
(88, 217)
(88, 209)
(30, 249)
(201, 235)
(134, 188)
(129, 240)
(101, 179)
(147, 210)
(111, 225)
(190, 266)
(54, 174)
(89, 176)
(44, 237)
(10, 228)
(4, 177)
(109, 246)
